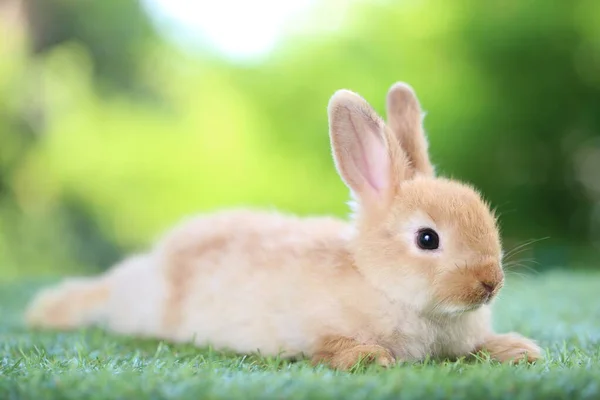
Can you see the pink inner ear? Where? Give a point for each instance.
(384, 166)
(372, 160)
(378, 168)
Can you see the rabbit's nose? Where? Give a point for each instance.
(489, 286)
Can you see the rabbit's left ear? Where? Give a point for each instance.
(405, 120)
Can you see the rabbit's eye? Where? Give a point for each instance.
(428, 239)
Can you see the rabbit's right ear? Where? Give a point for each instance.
(405, 120)
(367, 157)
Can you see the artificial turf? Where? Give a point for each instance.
(561, 310)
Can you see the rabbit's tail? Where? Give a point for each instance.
(73, 303)
(126, 298)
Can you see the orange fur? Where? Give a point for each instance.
(404, 119)
(69, 305)
(511, 347)
(343, 353)
(331, 289)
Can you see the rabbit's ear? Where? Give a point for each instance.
(360, 141)
(405, 120)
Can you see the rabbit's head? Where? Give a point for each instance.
(431, 243)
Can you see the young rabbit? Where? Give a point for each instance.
(412, 274)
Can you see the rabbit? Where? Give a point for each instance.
(411, 273)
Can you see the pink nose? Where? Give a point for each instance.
(488, 286)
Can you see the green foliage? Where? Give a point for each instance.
(93, 364)
(116, 34)
(511, 91)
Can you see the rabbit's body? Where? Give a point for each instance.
(250, 280)
(295, 284)
(412, 274)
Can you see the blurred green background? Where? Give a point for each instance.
(117, 120)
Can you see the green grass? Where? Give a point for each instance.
(561, 310)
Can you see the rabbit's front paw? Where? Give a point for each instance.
(511, 347)
(343, 353)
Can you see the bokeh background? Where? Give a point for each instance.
(120, 117)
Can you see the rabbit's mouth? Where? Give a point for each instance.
(466, 289)
(489, 298)
(485, 297)
(466, 301)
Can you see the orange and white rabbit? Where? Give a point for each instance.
(411, 274)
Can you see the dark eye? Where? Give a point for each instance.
(428, 239)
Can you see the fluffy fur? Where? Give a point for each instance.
(336, 291)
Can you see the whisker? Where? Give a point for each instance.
(513, 266)
(522, 263)
(518, 274)
(523, 260)
(498, 212)
(513, 251)
(530, 269)
(520, 251)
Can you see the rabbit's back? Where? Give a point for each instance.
(254, 236)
